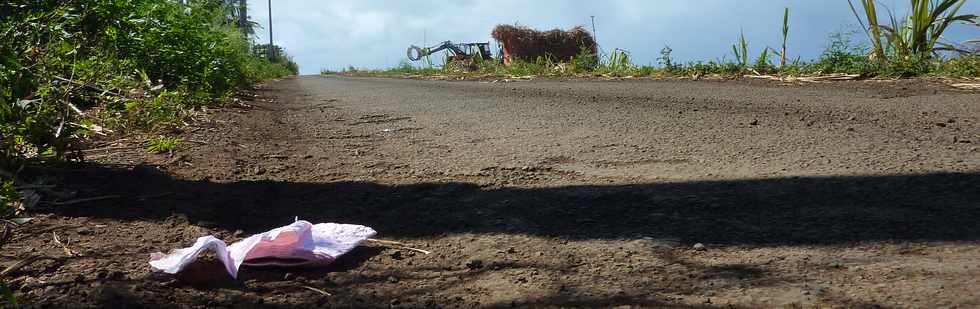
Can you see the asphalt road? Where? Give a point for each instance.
(664, 130)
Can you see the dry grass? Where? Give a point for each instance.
(522, 43)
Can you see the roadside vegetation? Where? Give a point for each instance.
(76, 69)
(907, 46)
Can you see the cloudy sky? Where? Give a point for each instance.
(334, 34)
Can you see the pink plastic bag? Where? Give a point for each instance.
(297, 244)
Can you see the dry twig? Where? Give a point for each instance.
(24, 263)
(396, 245)
(317, 290)
(89, 87)
(966, 86)
(153, 196)
(84, 200)
(63, 245)
(808, 79)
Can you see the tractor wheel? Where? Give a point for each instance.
(414, 53)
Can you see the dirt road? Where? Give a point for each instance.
(544, 194)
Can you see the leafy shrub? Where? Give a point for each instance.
(666, 59)
(585, 61)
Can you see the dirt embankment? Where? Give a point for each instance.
(540, 194)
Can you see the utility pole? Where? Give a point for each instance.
(425, 44)
(243, 17)
(272, 51)
(594, 35)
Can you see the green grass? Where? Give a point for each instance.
(840, 57)
(782, 53)
(162, 144)
(741, 50)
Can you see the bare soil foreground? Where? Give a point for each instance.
(560, 193)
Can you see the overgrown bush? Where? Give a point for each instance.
(73, 67)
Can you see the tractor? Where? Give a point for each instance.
(464, 54)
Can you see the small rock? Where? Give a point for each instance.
(474, 264)
(392, 279)
(289, 276)
(117, 275)
(259, 170)
(699, 247)
(850, 129)
(84, 231)
(941, 124)
(754, 122)
(397, 255)
(239, 233)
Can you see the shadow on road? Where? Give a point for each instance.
(770, 212)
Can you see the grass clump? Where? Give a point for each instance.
(162, 144)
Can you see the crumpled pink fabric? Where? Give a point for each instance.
(297, 244)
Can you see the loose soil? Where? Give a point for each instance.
(556, 193)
